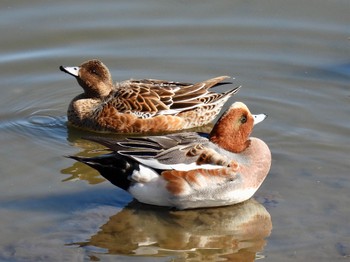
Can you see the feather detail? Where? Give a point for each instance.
(140, 106)
(181, 182)
(189, 170)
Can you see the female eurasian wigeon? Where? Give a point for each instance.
(137, 106)
(187, 170)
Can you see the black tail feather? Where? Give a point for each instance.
(113, 167)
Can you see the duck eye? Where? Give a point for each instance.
(243, 119)
(94, 71)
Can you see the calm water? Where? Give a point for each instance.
(293, 62)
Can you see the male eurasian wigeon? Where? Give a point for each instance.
(138, 106)
(188, 170)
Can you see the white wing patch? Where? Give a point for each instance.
(154, 163)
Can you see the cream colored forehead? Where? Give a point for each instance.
(239, 105)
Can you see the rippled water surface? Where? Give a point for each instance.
(292, 59)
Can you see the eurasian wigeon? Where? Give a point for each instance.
(139, 106)
(189, 170)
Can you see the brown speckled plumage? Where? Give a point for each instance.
(137, 106)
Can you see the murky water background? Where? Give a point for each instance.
(292, 59)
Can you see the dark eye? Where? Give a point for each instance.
(94, 71)
(243, 119)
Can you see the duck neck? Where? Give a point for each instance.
(96, 91)
(234, 141)
(232, 144)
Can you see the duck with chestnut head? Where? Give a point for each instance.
(189, 170)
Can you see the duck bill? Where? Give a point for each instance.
(259, 118)
(72, 70)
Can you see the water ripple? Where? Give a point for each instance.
(41, 126)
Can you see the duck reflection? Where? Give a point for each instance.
(235, 232)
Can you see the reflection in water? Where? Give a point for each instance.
(78, 171)
(235, 232)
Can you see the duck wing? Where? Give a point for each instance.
(150, 97)
(174, 151)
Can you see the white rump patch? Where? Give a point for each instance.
(144, 175)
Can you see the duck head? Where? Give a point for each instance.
(93, 76)
(237, 125)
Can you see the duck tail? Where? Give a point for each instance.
(225, 96)
(113, 167)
